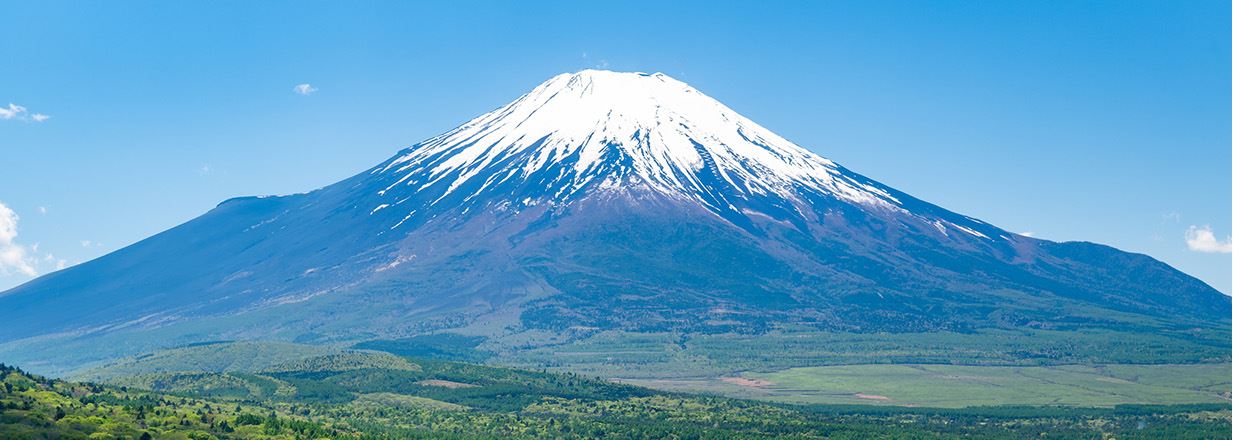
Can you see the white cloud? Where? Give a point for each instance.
(1204, 240)
(42, 210)
(13, 111)
(602, 64)
(86, 243)
(17, 112)
(305, 89)
(13, 256)
(60, 263)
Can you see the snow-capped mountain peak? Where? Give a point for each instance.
(612, 201)
(616, 130)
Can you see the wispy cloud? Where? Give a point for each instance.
(19, 113)
(60, 263)
(598, 64)
(12, 111)
(1202, 239)
(13, 256)
(305, 89)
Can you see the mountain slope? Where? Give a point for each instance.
(599, 200)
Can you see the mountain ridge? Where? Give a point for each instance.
(637, 218)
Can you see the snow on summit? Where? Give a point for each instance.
(599, 132)
(622, 130)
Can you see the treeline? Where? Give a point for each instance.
(446, 400)
(35, 407)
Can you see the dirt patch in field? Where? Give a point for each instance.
(745, 382)
(445, 384)
(870, 396)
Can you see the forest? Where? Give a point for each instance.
(371, 395)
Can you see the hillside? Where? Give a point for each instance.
(331, 398)
(903, 384)
(35, 407)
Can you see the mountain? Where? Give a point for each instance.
(599, 201)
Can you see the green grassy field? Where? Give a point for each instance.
(953, 386)
(987, 367)
(366, 395)
(991, 367)
(687, 356)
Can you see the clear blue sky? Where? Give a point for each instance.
(1098, 121)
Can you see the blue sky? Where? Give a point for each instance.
(1096, 121)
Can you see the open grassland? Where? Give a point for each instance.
(990, 367)
(365, 395)
(661, 356)
(953, 386)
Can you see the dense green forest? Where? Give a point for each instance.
(35, 407)
(369, 395)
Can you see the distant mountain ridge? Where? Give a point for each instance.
(599, 200)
